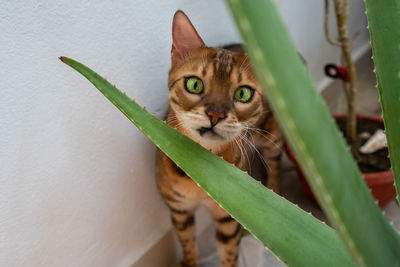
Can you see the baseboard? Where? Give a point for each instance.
(163, 253)
(168, 248)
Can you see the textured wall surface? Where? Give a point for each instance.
(77, 178)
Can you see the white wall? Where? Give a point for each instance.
(77, 178)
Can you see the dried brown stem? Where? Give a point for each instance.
(354, 39)
(326, 26)
(350, 86)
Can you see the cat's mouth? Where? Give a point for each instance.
(208, 132)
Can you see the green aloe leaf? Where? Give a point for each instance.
(384, 28)
(314, 137)
(296, 237)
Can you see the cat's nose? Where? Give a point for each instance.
(215, 116)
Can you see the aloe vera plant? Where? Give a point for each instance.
(294, 236)
(384, 28)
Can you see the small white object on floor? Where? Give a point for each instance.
(376, 142)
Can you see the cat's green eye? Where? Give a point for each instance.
(244, 94)
(194, 85)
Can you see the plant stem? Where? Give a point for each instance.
(326, 26)
(350, 86)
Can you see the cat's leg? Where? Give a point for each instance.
(228, 235)
(182, 217)
(184, 225)
(174, 187)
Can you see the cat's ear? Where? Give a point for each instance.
(184, 37)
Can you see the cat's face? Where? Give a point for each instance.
(213, 92)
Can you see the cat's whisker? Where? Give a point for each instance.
(237, 144)
(261, 132)
(246, 154)
(274, 144)
(171, 117)
(243, 138)
(251, 146)
(265, 111)
(243, 151)
(175, 121)
(264, 163)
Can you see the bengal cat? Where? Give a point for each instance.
(217, 101)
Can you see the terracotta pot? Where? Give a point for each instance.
(380, 183)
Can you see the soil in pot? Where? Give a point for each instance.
(368, 163)
(375, 167)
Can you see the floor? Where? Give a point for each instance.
(252, 252)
